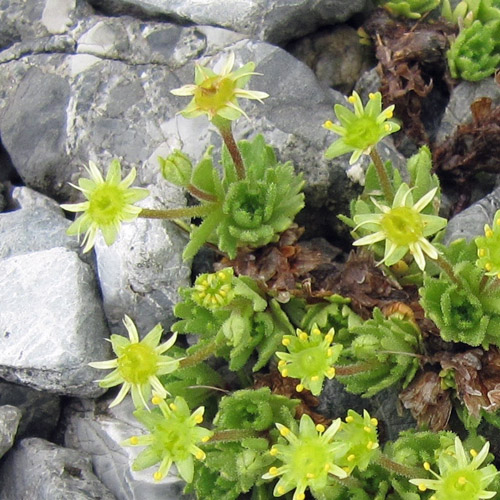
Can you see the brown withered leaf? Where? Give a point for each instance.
(411, 59)
(477, 377)
(286, 387)
(366, 285)
(429, 404)
(473, 148)
(282, 266)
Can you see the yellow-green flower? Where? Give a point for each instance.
(217, 94)
(109, 202)
(308, 458)
(361, 130)
(138, 364)
(174, 437)
(488, 248)
(310, 358)
(460, 478)
(403, 227)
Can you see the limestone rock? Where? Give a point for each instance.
(51, 323)
(9, 421)
(38, 469)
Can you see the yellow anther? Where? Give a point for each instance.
(488, 266)
(310, 475)
(205, 439)
(301, 496)
(473, 452)
(157, 476)
(156, 400)
(280, 490)
(374, 421)
(201, 295)
(134, 440)
(351, 457)
(173, 406)
(214, 299)
(204, 283)
(198, 419)
(273, 471)
(367, 429)
(488, 233)
(222, 293)
(273, 451)
(462, 480)
(281, 362)
(422, 487)
(330, 372)
(346, 469)
(200, 455)
(370, 445)
(349, 419)
(498, 276)
(314, 378)
(285, 342)
(315, 331)
(481, 252)
(351, 99)
(299, 387)
(284, 431)
(320, 428)
(328, 124)
(371, 95)
(387, 127)
(427, 466)
(284, 373)
(303, 336)
(327, 467)
(221, 275)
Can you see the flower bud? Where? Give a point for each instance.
(176, 168)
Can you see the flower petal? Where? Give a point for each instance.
(131, 329)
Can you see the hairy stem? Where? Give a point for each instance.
(201, 195)
(176, 213)
(402, 470)
(199, 356)
(382, 176)
(344, 371)
(447, 268)
(225, 130)
(233, 435)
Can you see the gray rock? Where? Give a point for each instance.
(140, 273)
(40, 470)
(335, 55)
(51, 323)
(99, 433)
(470, 223)
(275, 21)
(113, 100)
(40, 410)
(21, 20)
(9, 421)
(39, 224)
(458, 110)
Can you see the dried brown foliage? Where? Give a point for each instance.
(411, 58)
(473, 148)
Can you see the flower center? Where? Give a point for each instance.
(462, 485)
(362, 133)
(214, 93)
(312, 361)
(137, 363)
(214, 290)
(309, 459)
(402, 225)
(105, 204)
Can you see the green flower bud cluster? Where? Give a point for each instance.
(412, 9)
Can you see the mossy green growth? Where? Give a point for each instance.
(244, 212)
(475, 53)
(412, 9)
(234, 315)
(383, 352)
(468, 309)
